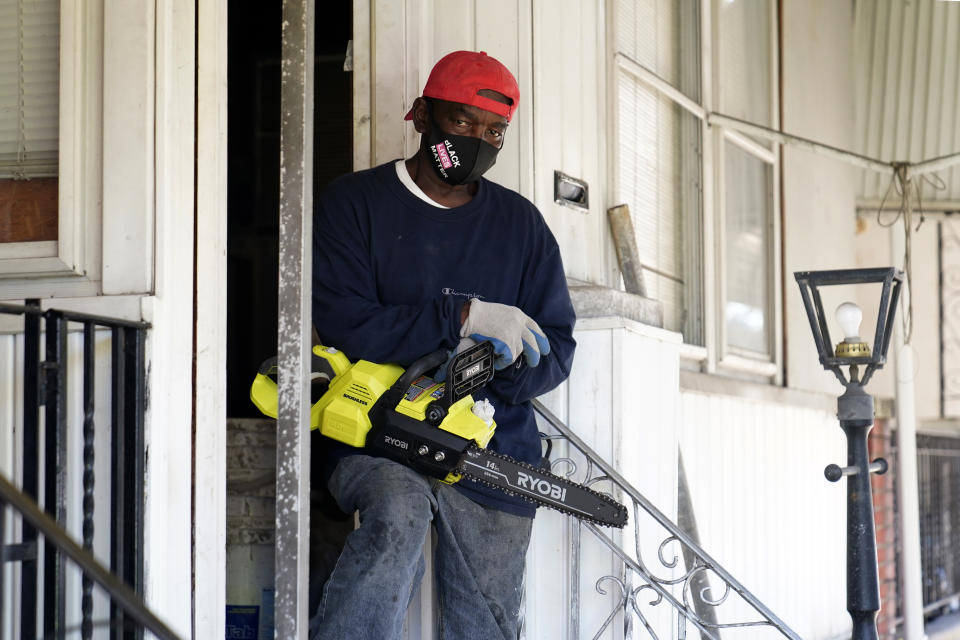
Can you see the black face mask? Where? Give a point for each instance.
(457, 159)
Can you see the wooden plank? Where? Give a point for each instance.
(28, 210)
(625, 241)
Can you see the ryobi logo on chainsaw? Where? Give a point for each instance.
(396, 442)
(541, 486)
(473, 370)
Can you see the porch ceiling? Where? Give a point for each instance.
(907, 75)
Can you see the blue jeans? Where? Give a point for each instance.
(479, 557)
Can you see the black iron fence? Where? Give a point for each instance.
(42, 551)
(938, 468)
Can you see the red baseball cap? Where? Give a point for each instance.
(459, 76)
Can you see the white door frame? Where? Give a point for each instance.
(210, 425)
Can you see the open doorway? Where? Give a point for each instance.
(254, 53)
(254, 172)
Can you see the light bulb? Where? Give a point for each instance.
(849, 318)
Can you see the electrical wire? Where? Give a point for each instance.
(906, 186)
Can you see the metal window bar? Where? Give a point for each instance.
(54, 381)
(45, 385)
(689, 594)
(938, 462)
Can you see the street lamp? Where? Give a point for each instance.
(855, 412)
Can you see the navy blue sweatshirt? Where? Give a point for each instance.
(391, 274)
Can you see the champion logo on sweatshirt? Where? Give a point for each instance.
(447, 291)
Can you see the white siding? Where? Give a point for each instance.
(569, 91)
(763, 508)
(622, 400)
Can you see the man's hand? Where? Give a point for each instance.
(510, 330)
(465, 343)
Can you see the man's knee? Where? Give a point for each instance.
(360, 480)
(396, 504)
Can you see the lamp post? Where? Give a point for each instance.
(855, 412)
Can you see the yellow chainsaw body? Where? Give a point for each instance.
(342, 412)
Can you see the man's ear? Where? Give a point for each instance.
(420, 115)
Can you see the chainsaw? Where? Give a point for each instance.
(432, 426)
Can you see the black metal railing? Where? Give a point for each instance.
(121, 595)
(938, 467)
(44, 410)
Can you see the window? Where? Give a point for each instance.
(29, 119)
(658, 152)
(49, 160)
(744, 78)
(703, 196)
(747, 212)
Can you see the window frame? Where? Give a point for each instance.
(108, 174)
(79, 159)
(730, 359)
(716, 355)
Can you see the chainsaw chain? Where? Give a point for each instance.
(461, 469)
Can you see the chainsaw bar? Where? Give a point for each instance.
(541, 487)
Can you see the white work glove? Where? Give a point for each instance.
(510, 330)
(465, 343)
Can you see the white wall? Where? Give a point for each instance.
(819, 193)
(764, 510)
(622, 399)
(570, 97)
(873, 247)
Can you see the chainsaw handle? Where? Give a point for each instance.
(414, 371)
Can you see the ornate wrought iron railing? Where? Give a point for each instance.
(42, 595)
(690, 590)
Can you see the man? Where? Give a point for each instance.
(410, 257)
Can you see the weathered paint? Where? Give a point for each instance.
(294, 325)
